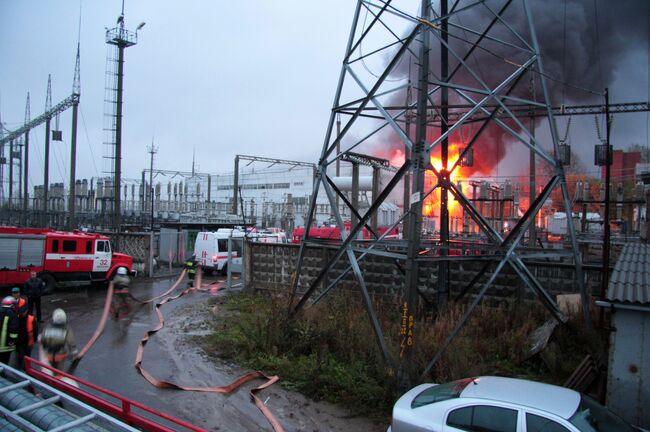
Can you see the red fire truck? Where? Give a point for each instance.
(57, 256)
(334, 234)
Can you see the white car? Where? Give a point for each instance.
(496, 404)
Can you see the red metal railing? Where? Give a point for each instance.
(122, 409)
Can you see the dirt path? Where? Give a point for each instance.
(293, 410)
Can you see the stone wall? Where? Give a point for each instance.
(271, 267)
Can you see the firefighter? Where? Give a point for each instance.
(58, 340)
(8, 329)
(27, 333)
(20, 306)
(121, 291)
(191, 265)
(33, 288)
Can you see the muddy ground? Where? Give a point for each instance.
(174, 355)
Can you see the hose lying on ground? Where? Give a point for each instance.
(105, 312)
(227, 389)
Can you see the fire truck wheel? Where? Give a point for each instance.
(50, 283)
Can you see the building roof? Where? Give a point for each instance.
(630, 279)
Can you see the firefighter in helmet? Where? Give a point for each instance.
(58, 340)
(121, 283)
(8, 329)
(190, 265)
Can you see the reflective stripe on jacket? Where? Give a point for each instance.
(6, 335)
(30, 330)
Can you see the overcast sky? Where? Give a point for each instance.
(222, 78)
(218, 77)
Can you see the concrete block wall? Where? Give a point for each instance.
(271, 266)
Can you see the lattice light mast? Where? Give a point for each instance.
(121, 38)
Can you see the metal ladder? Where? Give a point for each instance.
(27, 404)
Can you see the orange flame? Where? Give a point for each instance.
(433, 200)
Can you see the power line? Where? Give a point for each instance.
(92, 155)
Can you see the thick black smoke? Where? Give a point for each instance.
(582, 43)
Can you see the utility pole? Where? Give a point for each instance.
(152, 151)
(532, 230)
(46, 168)
(20, 173)
(11, 175)
(606, 234)
(235, 188)
(25, 171)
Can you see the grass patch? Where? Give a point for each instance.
(329, 351)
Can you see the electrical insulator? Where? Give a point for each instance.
(484, 191)
(507, 190)
(100, 189)
(586, 192)
(564, 156)
(468, 158)
(639, 191)
(517, 193)
(600, 155)
(578, 196)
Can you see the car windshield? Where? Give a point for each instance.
(593, 417)
(439, 393)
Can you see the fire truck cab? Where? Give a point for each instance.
(57, 256)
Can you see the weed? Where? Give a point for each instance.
(329, 351)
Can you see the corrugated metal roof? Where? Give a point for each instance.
(630, 279)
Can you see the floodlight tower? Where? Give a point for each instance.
(121, 38)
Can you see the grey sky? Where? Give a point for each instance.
(219, 77)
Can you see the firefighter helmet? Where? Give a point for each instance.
(59, 317)
(122, 271)
(8, 301)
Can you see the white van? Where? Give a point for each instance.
(269, 235)
(211, 249)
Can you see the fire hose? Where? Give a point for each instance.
(105, 312)
(162, 384)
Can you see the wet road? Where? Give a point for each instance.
(109, 363)
(169, 356)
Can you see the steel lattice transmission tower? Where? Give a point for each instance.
(472, 60)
